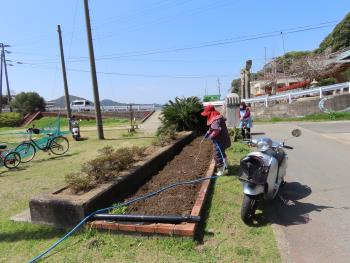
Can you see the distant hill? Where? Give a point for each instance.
(107, 102)
(61, 101)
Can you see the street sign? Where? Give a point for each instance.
(207, 98)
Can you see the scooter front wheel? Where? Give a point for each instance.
(248, 209)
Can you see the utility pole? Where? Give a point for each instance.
(265, 64)
(7, 79)
(2, 57)
(93, 72)
(274, 76)
(219, 87)
(65, 83)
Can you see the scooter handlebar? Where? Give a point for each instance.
(288, 147)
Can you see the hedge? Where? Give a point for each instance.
(10, 119)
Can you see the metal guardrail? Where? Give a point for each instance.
(291, 95)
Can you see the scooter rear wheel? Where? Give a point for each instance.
(249, 205)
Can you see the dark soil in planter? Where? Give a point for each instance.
(179, 200)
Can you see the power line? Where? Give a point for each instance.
(73, 31)
(217, 42)
(140, 12)
(166, 19)
(221, 42)
(184, 61)
(170, 76)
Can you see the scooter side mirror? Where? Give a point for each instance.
(296, 133)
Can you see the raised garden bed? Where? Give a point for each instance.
(186, 200)
(61, 208)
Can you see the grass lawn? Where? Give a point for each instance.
(225, 237)
(334, 116)
(12, 136)
(48, 121)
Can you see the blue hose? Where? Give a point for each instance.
(116, 206)
(74, 229)
(222, 155)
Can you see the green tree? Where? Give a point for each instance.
(26, 102)
(339, 38)
(284, 62)
(235, 86)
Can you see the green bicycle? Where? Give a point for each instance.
(57, 145)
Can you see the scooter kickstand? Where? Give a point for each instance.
(284, 201)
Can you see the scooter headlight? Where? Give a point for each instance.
(264, 144)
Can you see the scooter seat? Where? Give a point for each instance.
(3, 146)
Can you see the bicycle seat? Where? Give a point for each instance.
(50, 134)
(3, 146)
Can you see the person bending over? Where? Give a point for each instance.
(218, 133)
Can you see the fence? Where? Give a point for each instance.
(296, 94)
(136, 107)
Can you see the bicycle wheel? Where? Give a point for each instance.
(12, 160)
(59, 145)
(26, 151)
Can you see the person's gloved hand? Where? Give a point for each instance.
(207, 135)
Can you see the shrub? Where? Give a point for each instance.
(10, 119)
(164, 135)
(26, 102)
(78, 182)
(121, 210)
(236, 134)
(138, 152)
(326, 82)
(107, 165)
(183, 113)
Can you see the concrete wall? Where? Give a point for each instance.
(301, 107)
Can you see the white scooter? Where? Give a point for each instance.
(75, 126)
(262, 173)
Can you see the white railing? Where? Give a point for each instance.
(139, 107)
(290, 95)
(127, 108)
(296, 94)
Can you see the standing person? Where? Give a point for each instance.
(245, 120)
(219, 134)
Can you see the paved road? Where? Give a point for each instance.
(151, 125)
(315, 225)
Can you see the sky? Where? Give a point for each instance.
(150, 51)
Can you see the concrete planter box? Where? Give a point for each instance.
(63, 210)
(183, 229)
